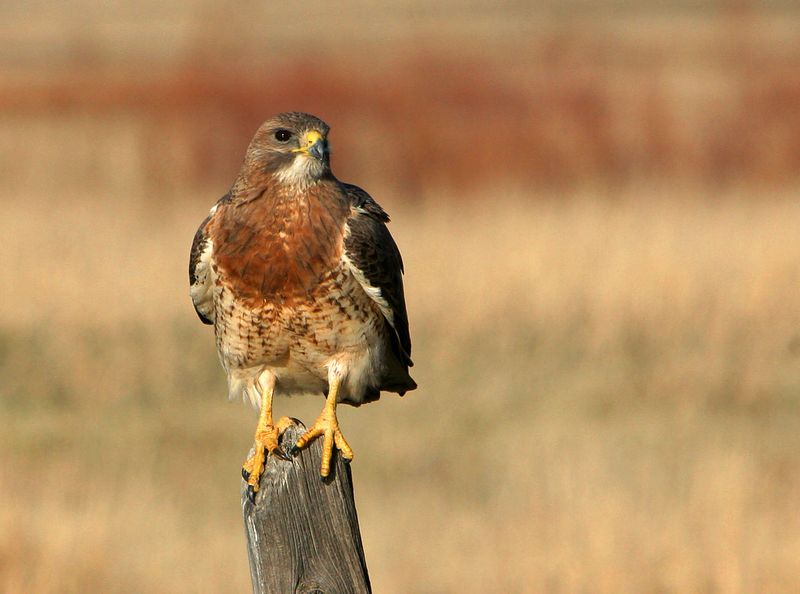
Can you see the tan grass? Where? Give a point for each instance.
(608, 402)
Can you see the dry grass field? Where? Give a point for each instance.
(608, 402)
(598, 207)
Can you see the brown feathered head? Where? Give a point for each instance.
(291, 147)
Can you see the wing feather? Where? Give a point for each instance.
(377, 265)
(201, 281)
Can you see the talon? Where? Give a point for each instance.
(266, 444)
(267, 436)
(326, 426)
(279, 453)
(344, 447)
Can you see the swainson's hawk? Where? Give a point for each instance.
(302, 282)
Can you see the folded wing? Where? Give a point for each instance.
(377, 265)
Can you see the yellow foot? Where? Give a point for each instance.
(328, 426)
(266, 441)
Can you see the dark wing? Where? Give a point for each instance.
(376, 263)
(199, 275)
(201, 284)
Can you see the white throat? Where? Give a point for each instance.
(303, 172)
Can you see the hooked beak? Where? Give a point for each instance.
(314, 145)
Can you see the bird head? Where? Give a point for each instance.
(292, 147)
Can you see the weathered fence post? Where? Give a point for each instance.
(302, 532)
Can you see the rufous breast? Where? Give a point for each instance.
(277, 247)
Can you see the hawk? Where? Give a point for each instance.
(303, 284)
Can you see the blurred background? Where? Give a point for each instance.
(597, 203)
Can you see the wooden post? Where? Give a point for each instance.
(302, 532)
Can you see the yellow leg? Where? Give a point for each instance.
(266, 439)
(327, 425)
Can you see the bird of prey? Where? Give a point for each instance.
(303, 284)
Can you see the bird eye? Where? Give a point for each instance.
(282, 135)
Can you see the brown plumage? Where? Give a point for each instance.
(303, 284)
(279, 248)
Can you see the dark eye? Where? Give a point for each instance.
(282, 135)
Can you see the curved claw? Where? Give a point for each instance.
(251, 494)
(280, 453)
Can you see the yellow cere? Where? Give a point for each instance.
(310, 138)
(313, 137)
